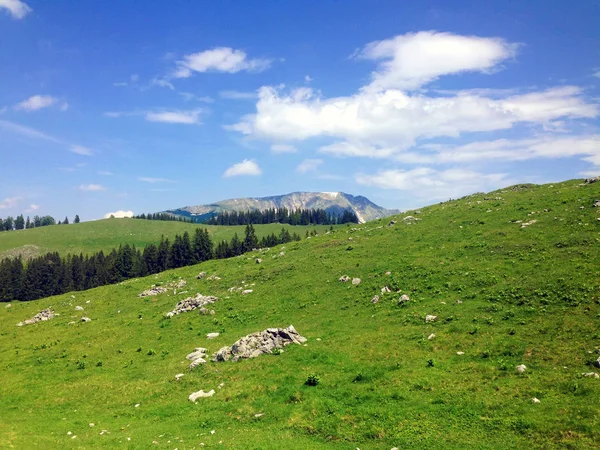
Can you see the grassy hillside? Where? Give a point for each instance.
(504, 295)
(90, 237)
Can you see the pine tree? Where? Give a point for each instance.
(250, 240)
(76, 220)
(66, 221)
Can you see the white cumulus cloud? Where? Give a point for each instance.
(15, 8)
(246, 167)
(119, 214)
(220, 59)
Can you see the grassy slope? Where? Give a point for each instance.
(528, 296)
(90, 237)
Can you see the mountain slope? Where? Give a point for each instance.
(504, 294)
(332, 202)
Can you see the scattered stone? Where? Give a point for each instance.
(155, 290)
(179, 376)
(459, 302)
(42, 316)
(258, 260)
(86, 319)
(535, 400)
(79, 308)
(92, 425)
(281, 253)
(410, 219)
(201, 275)
(430, 318)
(597, 363)
(375, 299)
(388, 273)
(404, 299)
(258, 415)
(591, 374)
(526, 224)
(214, 278)
(356, 281)
(212, 335)
(460, 353)
(259, 343)
(591, 180)
(431, 336)
(191, 303)
(8, 306)
(247, 291)
(200, 394)
(392, 223)
(344, 278)
(521, 368)
(597, 204)
(197, 357)
(177, 284)
(385, 290)
(233, 289)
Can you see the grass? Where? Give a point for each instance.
(91, 237)
(527, 296)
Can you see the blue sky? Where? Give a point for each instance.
(146, 106)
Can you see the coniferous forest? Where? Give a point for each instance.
(283, 215)
(53, 274)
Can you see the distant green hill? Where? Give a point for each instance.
(512, 277)
(90, 237)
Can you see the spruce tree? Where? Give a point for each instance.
(76, 220)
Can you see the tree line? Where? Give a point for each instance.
(51, 274)
(163, 216)
(283, 215)
(20, 223)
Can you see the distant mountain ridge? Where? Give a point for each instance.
(331, 202)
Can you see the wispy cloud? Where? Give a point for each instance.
(10, 202)
(309, 165)
(239, 95)
(282, 148)
(38, 102)
(92, 187)
(188, 96)
(81, 150)
(155, 180)
(246, 167)
(220, 59)
(15, 8)
(191, 117)
(105, 173)
(33, 207)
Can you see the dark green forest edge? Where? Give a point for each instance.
(52, 274)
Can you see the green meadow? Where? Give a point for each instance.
(504, 294)
(106, 234)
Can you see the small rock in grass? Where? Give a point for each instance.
(597, 363)
(385, 290)
(258, 260)
(179, 376)
(430, 318)
(521, 368)
(200, 394)
(591, 374)
(431, 336)
(459, 302)
(375, 299)
(344, 278)
(201, 275)
(535, 400)
(460, 353)
(388, 273)
(212, 335)
(92, 425)
(247, 291)
(79, 308)
(403, 299)
(86, 319)
(356, 281)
